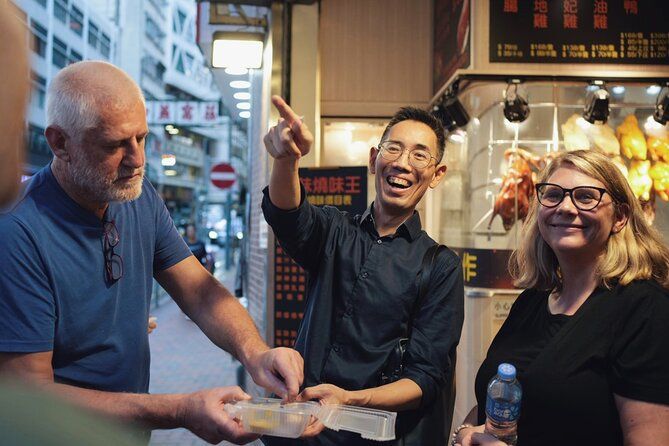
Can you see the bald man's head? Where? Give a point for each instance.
(83, 91)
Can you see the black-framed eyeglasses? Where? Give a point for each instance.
(585, 198)
(418, 158)
(113, 261)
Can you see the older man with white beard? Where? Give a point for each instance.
(80, 250)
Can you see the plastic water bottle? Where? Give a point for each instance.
(502, 406)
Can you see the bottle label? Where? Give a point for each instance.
(501, 411)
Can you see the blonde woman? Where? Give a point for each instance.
(589, 335)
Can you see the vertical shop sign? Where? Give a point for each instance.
(346, 189)
(580, 31)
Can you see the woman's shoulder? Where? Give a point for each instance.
(532, 296)
(529, 301)
(646, 299)
(642, 290)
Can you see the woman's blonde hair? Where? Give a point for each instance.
(636, 252)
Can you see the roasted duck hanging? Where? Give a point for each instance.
(513, 200)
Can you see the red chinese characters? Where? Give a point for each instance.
(187, 112)
(164, 112)
(210, 113)
(510, 5)
(600, 14)
(570, 11)
(540, 14)
(631, 7)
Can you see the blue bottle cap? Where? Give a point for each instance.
(506, 371)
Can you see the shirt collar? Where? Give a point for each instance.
(411, 228)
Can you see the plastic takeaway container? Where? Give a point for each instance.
(371, 424)
(268, 416)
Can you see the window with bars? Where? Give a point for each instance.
(189, 64)
(159, 5)
(153, 32)
(153, 69)
(181, 17)
(37, 141)
(59, 53)
(99, 40)
(76, 20)
(38, 38)
(74, 57)
(180, 64)
(39, 152)
(38, 94)
(93, 31)
(105, 45)
(60, 10)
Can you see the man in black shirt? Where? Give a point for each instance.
(363, 269)
(198, 248)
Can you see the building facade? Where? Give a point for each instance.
(60, 32)
(154, 41)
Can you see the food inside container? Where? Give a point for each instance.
(268, 416)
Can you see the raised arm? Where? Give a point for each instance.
(286, 143)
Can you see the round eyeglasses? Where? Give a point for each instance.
(113, 261)
(585, 198)
(418, 158)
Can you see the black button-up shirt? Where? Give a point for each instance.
(361, 294)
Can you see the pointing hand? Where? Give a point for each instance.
(290, 137)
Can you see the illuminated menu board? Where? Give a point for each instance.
(346, 189)
(580, 31)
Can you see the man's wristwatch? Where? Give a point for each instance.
(457, 431)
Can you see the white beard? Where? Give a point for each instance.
(102, 188)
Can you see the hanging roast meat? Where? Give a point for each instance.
(658, 147)
(513, 200)
(660, 175)
(632, 141)
(640, 180)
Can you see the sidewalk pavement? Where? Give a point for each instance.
(184, 360)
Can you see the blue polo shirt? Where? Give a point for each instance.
(54, 294)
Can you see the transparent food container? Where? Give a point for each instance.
(268, 416)
(371, 424)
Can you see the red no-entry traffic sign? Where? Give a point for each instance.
(223, 175)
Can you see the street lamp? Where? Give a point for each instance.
(237, 50)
